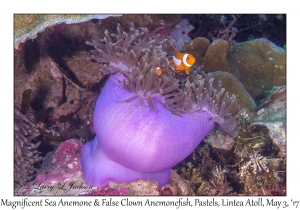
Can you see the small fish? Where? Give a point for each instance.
(158, 71)
(182, 61)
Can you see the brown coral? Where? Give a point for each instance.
(258, 64)
(234, 86)
(197, 48)
(215, 57)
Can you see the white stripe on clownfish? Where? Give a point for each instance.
(184, 60)
(177, 62)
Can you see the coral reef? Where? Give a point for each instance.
(217, 185)
(138, 109)
(215, 57)
(240, 27)
(220, 140)
(64, 163)
(44, 81)
(261, 59)
(253, 163)
(65, 63)
(206, 175)
(153, 20)
(249, 141)
(272, 115)
(262, 176)
(197, 47)
(179, 34)
(25, 153)
(83, 74)
(233, 86)
(177, 186)
(61, 175)
(56, 88)
(56, 94)
(29, 25)
(247, 61)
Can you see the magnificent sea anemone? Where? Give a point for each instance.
(145, 123)
(25, 151)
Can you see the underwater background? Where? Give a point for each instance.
(56, 88)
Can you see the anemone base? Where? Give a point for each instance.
(98, 169)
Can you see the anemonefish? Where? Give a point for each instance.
(158, 70)
(182, 61)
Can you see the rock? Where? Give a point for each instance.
(82, 69)
(22, 71)
(65, 109)
(177, 186)
(272, 116)
(153, 20)
(27, 26)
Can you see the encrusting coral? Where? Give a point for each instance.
(25, 153)
(27, 26)
(248, 61)
(145, 123)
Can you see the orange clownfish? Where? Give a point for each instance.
(158, 70)
(182, 61)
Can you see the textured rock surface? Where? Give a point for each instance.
(27, 26)
(177, 186)
(28, 74)
(272, 115)
(156, 20)
(82, 69)
(61, 175)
